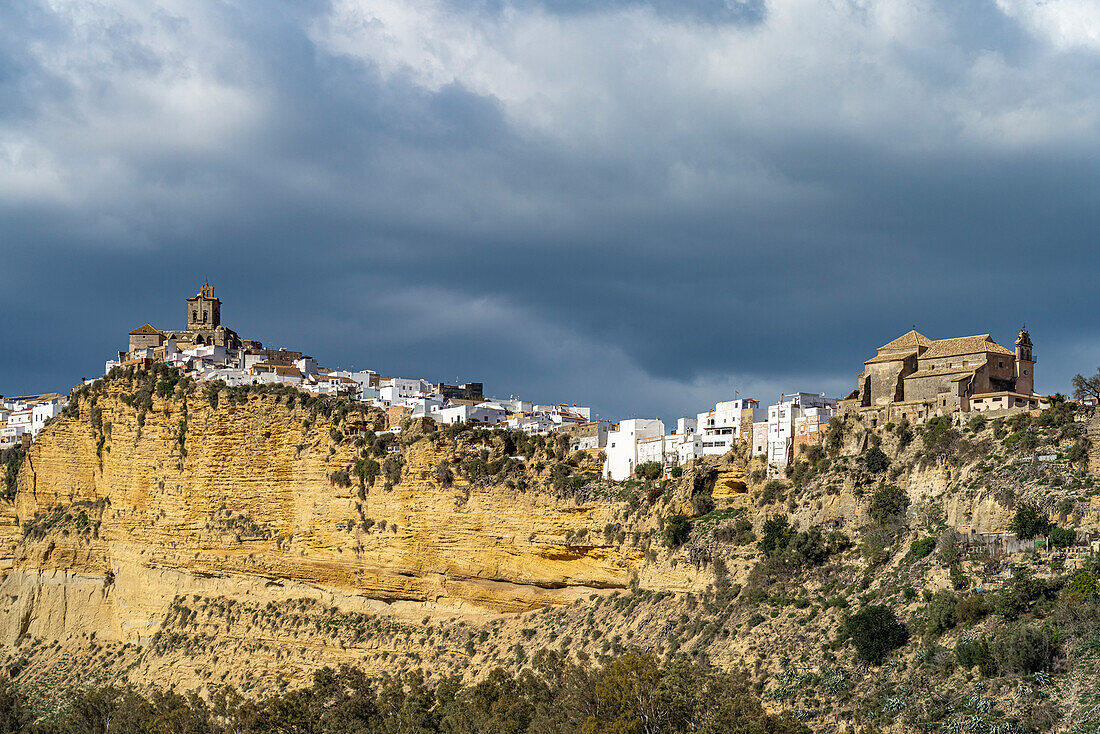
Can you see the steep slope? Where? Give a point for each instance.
(166, 533)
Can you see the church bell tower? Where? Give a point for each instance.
(1025, 364)
(204, 311)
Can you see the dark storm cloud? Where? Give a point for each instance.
(642, 206)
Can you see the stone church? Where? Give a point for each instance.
(914, 377)
(204, 326)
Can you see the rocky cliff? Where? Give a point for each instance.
(165, 532)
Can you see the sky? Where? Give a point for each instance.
(642, 206)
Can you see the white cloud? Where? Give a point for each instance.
(628, 78)
(1063, 23)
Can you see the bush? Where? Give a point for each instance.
(677, 472)
(443, 474)
(1023, 650)
(976, 424)
(875, 460)
(888, 503)
(677, 529)
(1063, 537)
(648, 470)
(813, 452)
(1029, 521)
(810, 547)
(1077, 453)
(922, 548)
(1083, 584)
(976, 652)
(834, 436)
(939, 437)
(940, 613)
(1023, 592)
(972, 609)
(772, 492)
(775, 535)
(904, 432)
(875, 632)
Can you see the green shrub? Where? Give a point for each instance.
(940, 439)
(875, 632)
(772, 492)
(775, 534)
(1023, 592)
(677, 529)
(1029, 521)
(922, 548)
(976, 652)
(834, 436)
(976, 424)
(649, 470)
(875, 460)
(888, 503)
(1077, 453)
(972, 609)
(1063, 537)
(677, 472)
(1023, 650)
(1083, 584)
(940, 613)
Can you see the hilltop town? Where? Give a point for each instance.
(911, 378)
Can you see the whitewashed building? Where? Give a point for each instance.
(794, 410)
(622, 445)
(487, 414)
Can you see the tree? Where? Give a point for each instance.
(1083, 584)
(677, 529)
(875, 460)
(648, 470)
(1063, 537)
(940, 613)
(1029, 521)
(875, 632)
(888, 503)
(775, 534)
(1086, 387)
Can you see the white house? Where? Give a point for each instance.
(622, 445)
(395, 390)
(720, 427)
(562, 413)
(791, 410)
(491, 415)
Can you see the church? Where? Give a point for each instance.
(914, 377)
(204, 327)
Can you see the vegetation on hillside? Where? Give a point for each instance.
(633, 693)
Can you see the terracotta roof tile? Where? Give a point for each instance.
(892, 357)
(146, 329)
(943, 371)
(910, 339)
(964, 345)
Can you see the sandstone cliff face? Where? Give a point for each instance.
(239, 500)
(230, 541)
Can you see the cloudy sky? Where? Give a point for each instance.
(639, 205)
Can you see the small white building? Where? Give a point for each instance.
(490, 415)
(622, 445)
(794, 411)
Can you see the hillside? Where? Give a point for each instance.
(167, 533)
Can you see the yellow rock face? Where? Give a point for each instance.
(244, 505)
(730, 481)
